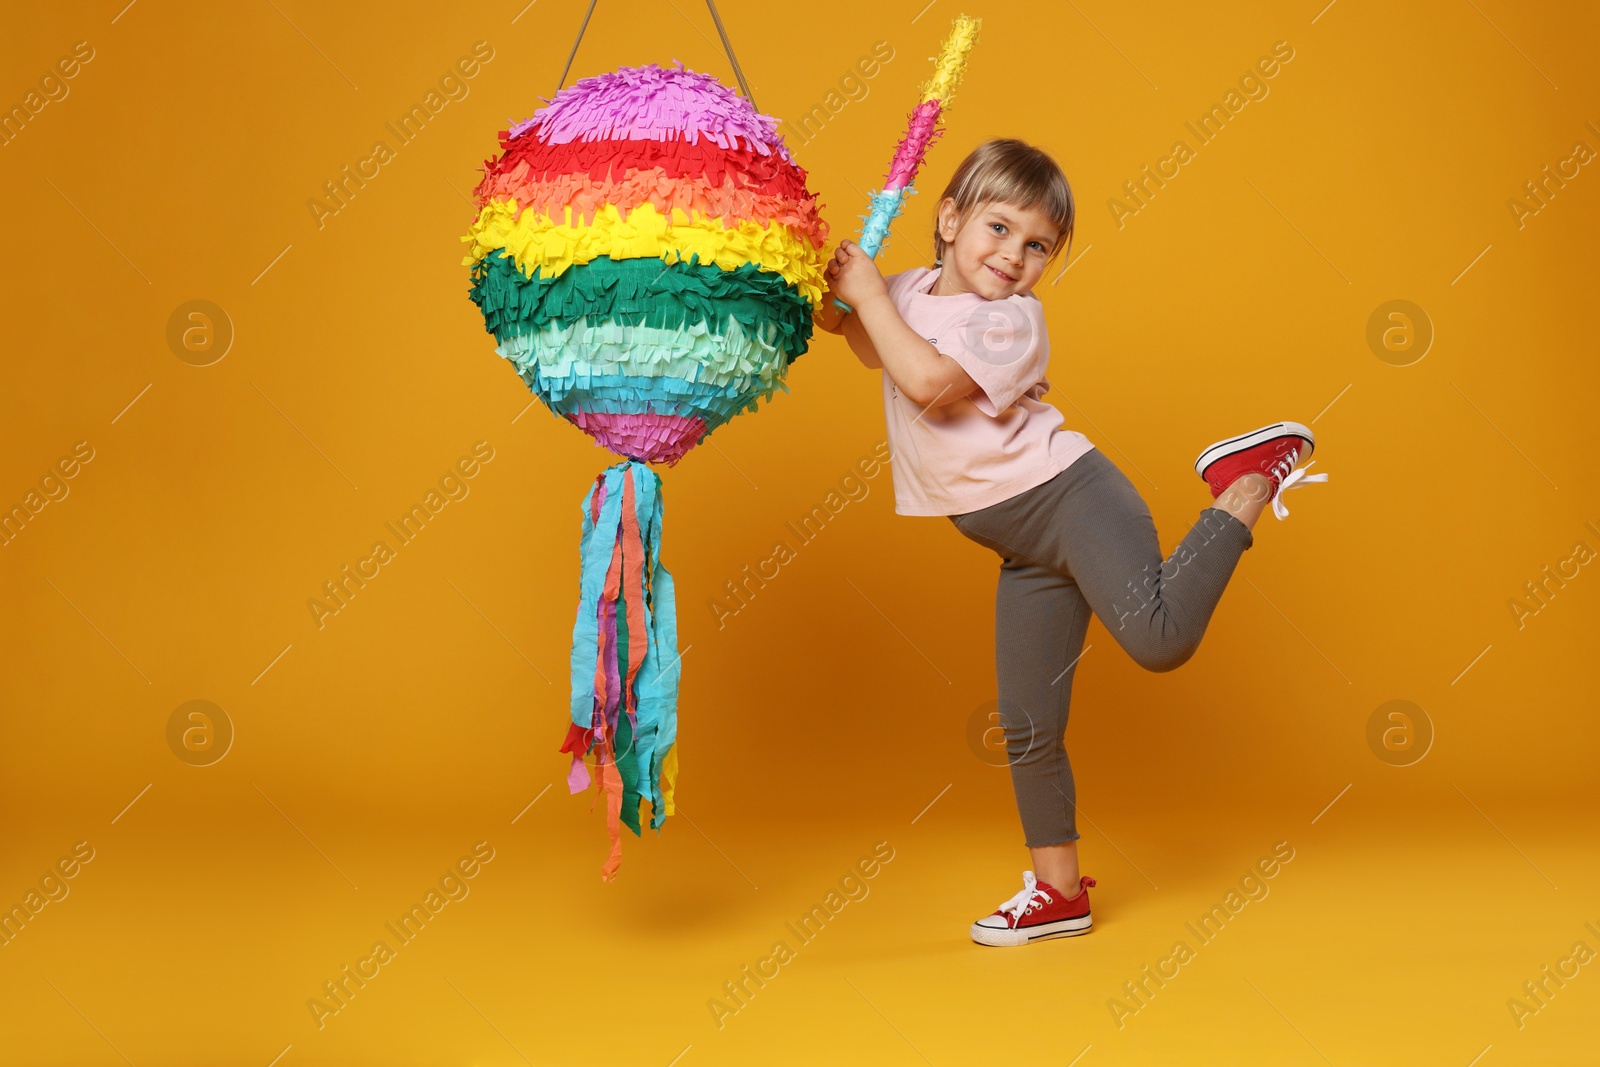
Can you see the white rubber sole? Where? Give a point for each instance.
(986, 935)
(1250, 440)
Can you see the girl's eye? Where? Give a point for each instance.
(1001, 226)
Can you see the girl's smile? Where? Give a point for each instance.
(999, 251)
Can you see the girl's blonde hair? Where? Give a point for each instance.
(1005, 170)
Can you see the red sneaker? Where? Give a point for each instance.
(1272, 451)
(1037, 913)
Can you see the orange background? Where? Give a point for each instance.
(829, 712)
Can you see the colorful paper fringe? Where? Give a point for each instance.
(648, 258)
(922, 128)
(670, 173)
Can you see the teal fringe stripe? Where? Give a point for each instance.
(646, 292)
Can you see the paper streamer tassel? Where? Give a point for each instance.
(625, 662)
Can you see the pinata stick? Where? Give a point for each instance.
(921, 131)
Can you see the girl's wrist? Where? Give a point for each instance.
(871, 302)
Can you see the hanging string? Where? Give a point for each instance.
(727, 46)
(574, 51)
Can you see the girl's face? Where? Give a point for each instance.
(998, 252)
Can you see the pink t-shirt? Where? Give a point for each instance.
(998, 441)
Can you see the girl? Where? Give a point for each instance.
(964, 353)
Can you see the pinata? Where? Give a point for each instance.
(648, 258)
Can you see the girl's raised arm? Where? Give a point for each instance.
(860, 343)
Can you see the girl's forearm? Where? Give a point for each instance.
(856, 336)
(924, 374)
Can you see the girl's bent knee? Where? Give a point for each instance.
(1163, 658)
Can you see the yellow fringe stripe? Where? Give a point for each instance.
(536, 240)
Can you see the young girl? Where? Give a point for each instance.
(964, 352)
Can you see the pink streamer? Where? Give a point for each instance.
(608, 616)
(577, 775)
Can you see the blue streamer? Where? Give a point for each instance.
(657, 681)
(594, 558)
(655, 700)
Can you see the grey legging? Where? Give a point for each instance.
(1084, 541)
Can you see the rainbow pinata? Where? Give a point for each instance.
(648, 258)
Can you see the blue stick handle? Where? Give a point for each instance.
(885, 208)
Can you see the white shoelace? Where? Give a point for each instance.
(1291, 479)
(1020, 904)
